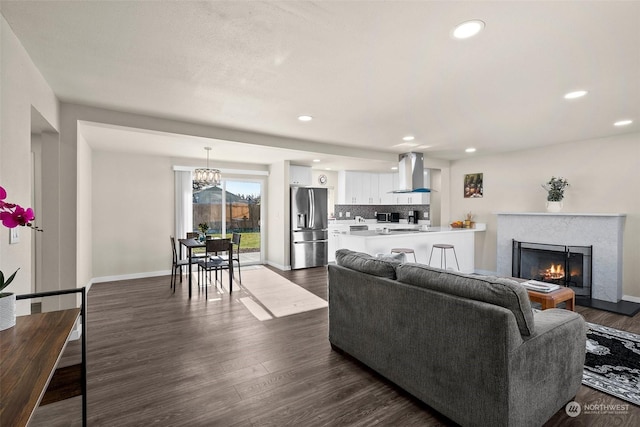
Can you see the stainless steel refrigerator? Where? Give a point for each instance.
(309, 233)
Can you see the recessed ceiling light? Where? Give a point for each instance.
(316, 160)
(470, 150)
(575, 94)
(623, 122)
(467, 29)
(394, 168)
(305, 118)
(327, 169)
(409, 138)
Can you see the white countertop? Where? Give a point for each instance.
(373, 222)
(415, 231)
(374, 242)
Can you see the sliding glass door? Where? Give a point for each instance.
(233, 207)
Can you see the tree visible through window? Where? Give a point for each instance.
(236, 210)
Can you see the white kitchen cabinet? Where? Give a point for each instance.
(412, 198)
(374, 188)
(367, 188)
(334, 242)
(367, 193)
(353, 188)
(387, 182)
(359, 188)
(342, 188)
(300, 175)
(347, 188)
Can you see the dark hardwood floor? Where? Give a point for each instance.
(159, 358)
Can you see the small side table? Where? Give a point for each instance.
(552, 299)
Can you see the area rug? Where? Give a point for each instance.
(612, 363)
(279, 296)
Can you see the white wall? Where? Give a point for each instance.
(132, 214)
(278, 215)
(21, 88)
(331, 186)
(602, 173)
(84, 223)
(440, 185)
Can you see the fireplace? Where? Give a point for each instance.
(568, 266)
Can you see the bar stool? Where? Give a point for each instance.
(443, 256)
(404, 251)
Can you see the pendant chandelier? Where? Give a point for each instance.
(206, 177)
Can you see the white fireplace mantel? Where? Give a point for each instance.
(603, 231)
(560, 214)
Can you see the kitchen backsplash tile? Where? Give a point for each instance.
(369, 211)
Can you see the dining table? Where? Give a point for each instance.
(191, 244)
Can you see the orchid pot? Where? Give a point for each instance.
(7, 303)
(7, 310)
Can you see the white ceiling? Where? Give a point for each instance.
(369, 72)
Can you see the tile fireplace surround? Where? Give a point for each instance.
(602, 231)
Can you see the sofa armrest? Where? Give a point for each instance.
(548, 365)
(547, 320)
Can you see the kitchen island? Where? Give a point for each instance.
(376, 242)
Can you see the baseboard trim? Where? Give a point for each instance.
(131, 276)
(631, 298)
(279, 266)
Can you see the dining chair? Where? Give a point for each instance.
(214, 262)
(195, 235)
(235, 255)
(177, 264)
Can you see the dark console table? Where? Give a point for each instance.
(29, 354)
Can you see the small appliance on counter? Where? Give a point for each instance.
(383, 217)
(413, 217)
(394, 217)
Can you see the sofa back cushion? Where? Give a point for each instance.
(503, 292)
(366, 263)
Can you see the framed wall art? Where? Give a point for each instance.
(473, 185)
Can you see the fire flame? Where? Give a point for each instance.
(554, 272)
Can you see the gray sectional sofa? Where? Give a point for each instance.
(470, 347)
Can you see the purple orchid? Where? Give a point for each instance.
(12, 215)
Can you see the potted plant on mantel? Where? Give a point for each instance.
(555, 193)
(12, 216)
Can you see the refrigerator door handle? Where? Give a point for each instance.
(306, 242)
(312, 208)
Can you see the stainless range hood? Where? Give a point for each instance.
(411, 173)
